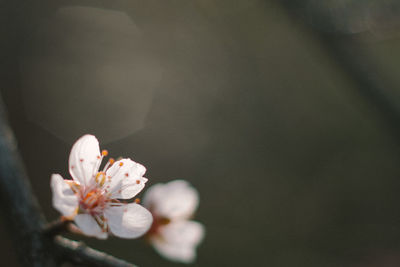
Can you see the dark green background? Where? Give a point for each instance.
(295, 167)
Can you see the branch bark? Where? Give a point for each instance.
(79, 253)
(21, 209)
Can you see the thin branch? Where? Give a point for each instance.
(79, 253)
(56, 227)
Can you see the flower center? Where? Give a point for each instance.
(158, 222)
(93, 202)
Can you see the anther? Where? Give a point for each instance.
(100, 178)
(121, 163)
(138, 181)
(126, 174)
(98, 157)
(104, 152)
(81, 160)
(111, 161)
(137, 200)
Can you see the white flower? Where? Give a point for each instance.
(94, 199)
(172, 234)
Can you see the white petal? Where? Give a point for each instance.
(183, 233)
(88, 225)
(178, 240)
(128, 221)
(64, 199)
(153, 196)
(173, 200)
(174, 253)
(84, 159)
(125, 181)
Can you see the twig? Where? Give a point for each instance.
(79, 253)
(56, 227)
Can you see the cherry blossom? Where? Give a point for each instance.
(96, 200)
(172, 234)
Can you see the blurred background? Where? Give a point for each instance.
(283, 114)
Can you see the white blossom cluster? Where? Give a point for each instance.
(100, 202)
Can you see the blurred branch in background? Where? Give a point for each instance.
(335, 23)
(34, 245)
(20, 207)
(378, 17)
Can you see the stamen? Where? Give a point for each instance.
(100, 178)
(138, 181)
(101, 222)
(88, 199)
(116, 204)
(127, 174)
(121, 163)
(74, 186)
(137, 200)
(108, 164)
(96, 165)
